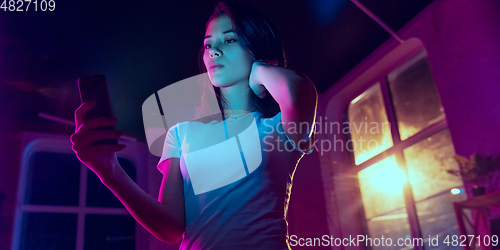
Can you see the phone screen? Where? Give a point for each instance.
(95, 88)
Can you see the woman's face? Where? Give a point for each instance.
(226, 61)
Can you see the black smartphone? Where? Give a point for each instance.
(95, 88)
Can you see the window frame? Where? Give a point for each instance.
(397, 147)
(342, 192)
(396, 150)
(33, 142)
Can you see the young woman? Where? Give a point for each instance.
(226, 181)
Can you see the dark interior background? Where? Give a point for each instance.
(142, 46)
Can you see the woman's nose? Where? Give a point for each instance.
(214, 52)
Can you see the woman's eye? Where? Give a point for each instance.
(228, 41)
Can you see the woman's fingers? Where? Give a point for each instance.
(99, 157)
(80, 142)
(81, 111)
(86, 151)
(89, 125)
(94, 123)
(88, 154)
(86, 134)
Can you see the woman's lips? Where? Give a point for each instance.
(216, 67)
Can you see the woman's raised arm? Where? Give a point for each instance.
(296, 95)
(161, 218)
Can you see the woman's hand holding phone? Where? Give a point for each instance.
(100, 158)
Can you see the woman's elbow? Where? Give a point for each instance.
(304, 93)
(170, 237)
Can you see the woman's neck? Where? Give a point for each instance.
(237, 98)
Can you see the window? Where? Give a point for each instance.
(407, 149)
(368, 121)
(382, 195)
(63, 205)
(414, 96)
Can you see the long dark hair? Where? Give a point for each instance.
(258, 35)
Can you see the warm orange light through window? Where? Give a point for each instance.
(389, 179)
(369, 127)
(382, 187)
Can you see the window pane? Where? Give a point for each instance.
(393, 225)
(382, 179)
(53, 179)
(109, 232)
(414, 95)
(437, 217)
(41, 231)
(427, 162)
(370, 130)
(99, 195)
(385, 216)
